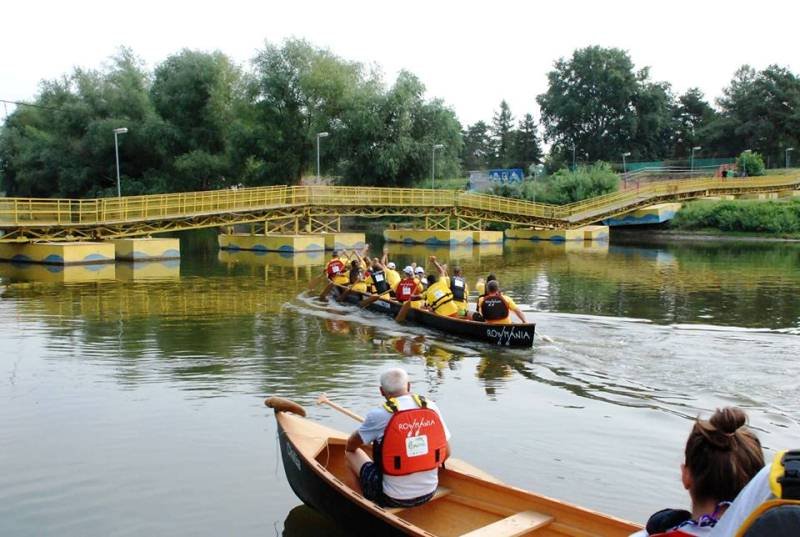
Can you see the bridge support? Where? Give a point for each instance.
(586, 233)
(431, 237)
(58, 253)
(147, 249)
(273, 242)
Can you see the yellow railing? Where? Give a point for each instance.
(42, 212)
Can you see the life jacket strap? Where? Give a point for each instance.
(784, 479)
(390, 405)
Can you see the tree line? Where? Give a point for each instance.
(200, 121)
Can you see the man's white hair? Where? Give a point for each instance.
(394, 381)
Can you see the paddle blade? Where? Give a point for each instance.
(343, 295)
(403, 313)
(369, 300)
(325, 291)
(315, 282)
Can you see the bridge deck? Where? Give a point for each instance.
(24, 219)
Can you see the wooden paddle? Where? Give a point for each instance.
(344, 295)
(323, 400)
(370, 299)
(325, 291)
(403, 313)
(316, 281)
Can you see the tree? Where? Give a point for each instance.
(526, 150)
(596, 102)
(692, 116)
(502, 136)
(477, 147)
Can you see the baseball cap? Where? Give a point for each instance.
(408, 270)
(391, 265)
(420, 270)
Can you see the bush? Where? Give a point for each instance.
(750, 163)
(753, 216)
(584, 182)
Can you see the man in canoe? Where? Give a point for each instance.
(405, 472)
(408, 286)
(438, 296)
(495, 307)
(457, 284)
(336, 269)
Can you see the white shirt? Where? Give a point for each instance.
(401, 487)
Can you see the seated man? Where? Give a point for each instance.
(438, 297)
(336, 269)
(495, 307)
(406, 468)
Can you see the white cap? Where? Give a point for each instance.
(420, 270)
(408, 270)
(391, 265)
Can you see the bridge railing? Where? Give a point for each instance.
(20, 212)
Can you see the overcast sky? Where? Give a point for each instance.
(471, 54)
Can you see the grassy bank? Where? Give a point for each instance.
(748, 216)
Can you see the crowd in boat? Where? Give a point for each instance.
(441, 290)
(731, 490)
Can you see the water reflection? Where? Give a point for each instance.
(31, 272)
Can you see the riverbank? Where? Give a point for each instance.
(700, 235)
(772, 218)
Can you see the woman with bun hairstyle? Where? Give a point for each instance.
(722, 455)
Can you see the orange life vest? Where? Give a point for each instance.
(406, 289)
(413, 441)
(335, 268)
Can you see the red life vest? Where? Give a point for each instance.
(406, 289)
(335, 268)
(413, 441)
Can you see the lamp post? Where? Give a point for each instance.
(696, 148)
(786, 154)
(319, 135)
(117, 132)
(744, 162)
(573, 157)
(433, 163)
(624, 166)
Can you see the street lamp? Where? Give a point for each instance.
(433, 163)
(624, 166)
(117, 132)
(573, 157)
(319, 135)
(696, 148)
(786, 153)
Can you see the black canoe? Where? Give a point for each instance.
(468, 502)
(506, 335)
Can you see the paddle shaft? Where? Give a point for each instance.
(316, 281)
(369, 300)
(325, 291)
(403, 313)
(343, 410)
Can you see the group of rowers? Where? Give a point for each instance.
(438, 291)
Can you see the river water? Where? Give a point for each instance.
(131, 397)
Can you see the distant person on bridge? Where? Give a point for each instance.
(496, 308)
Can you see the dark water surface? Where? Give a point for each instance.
(131, 397)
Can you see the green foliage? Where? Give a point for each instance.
(565, 186)
(750, 163)
(751, 216)
(502, 137)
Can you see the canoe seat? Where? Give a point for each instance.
(440, 492)
(512, 526)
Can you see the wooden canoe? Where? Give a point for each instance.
(467, 503)
(508, 335)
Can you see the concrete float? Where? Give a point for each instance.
(554, 235)
(137, 271)
(758, 196)
(344, 241)
(487, 237)
(430, 237)
(595, 233)
(147, 249)
(271, 259)
(272, 242)
(58, 253)
(654, 214)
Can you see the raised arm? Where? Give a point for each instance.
(442, 270)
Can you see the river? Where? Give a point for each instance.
(131, 397)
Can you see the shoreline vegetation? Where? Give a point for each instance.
(740, 218)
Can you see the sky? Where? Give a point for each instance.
(470, 54)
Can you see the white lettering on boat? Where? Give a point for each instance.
(506, 334)
(292, 455)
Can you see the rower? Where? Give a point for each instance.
(495, 307)
(457, 284)
(480, 286)
(392, 276)
(404, 473)
(358, 282)
(438, 297)
(376, 281)
(408, 286)
(419, 272)
(336, 269)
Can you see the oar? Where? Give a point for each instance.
(370, 299)
(325, 291)
(316, 281)
(403, 313)
(344, 295)
(323, 400)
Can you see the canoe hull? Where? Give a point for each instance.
(319, 494)
(505, 335)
